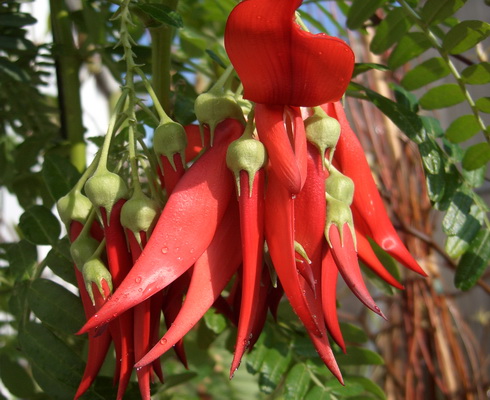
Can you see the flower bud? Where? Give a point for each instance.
(104, 189)
(94, 271)
(74, 206)
(340, 187)
(245, 154)
(212, 108)
(338, 214)
(169, 139)
(139, 214)
(322, 131)
(82, 249)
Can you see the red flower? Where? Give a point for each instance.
(278, 62)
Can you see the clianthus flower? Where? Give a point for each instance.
(292, 184)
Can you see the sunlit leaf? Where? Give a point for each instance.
(442, 96)
(477, 74)
(435, 11)
(465, 35)
(462, 128)
(476, 156)
(390, 30)
(359, 68)
(411, 45)
(483, 104)
(425, 73)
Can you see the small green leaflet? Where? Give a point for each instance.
(462, 128)
(162, 14)
(429, 71)
(474, 262)
(476, 156)
(361, 10)
(442, 96)
(390, 30)
(465, 36)
(436, 11)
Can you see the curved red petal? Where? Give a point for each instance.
(278, 62)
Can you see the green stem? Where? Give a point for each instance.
(161, 42)
(67, 69)
(156, 101)
(445, 56)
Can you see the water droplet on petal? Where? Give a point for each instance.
(163, 341)
(138, 279)
(164, 250)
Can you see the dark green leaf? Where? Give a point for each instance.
(303, 347)
(408, 121)
(465, 35)
(359, 68)
(476, 156)
(362, 10)
(318, 393)
(59, 174)
(390, 30)
(178, 379)
(275, 364)
(435, 11)
(297, 382)
(427, 72)
(475, 178)
(432, 126)
(162, 14)
(60, 262)
(463, 128)
(474, 262)
(18, 44)
(411, 45)
(22, 258)
(352, 333)
(359, 356)
(16, 379)
(11, 70)
(39, 225)
(451, 182)
(56, 306)
(442, 96)
(483, 104)
(457, 213)
(57, 369)
(477, 74)
(16, 19)
(216, 58)
(458, 244)
(432, 157)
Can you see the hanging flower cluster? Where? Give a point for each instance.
(285, 192)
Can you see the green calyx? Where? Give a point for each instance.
(82, 249)
(170, 139)
(94, 271)
(104, 189)
(338, 214)
(298, 248)
(323, 131)
(211, 108)
(74, 206)
(139, 214)
(246, 154)
(339, 186)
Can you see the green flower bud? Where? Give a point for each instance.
(246, 154)
(139, 214)
(212, 108)
(323, 131)
(338, 214)
(94, 271)
(74, 206)
(104, 189)
(82, 249)
(170, 139)
(340, 187)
